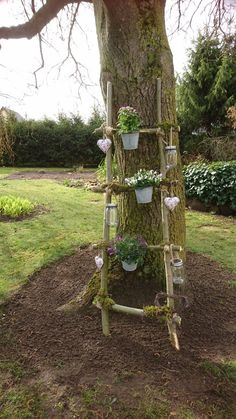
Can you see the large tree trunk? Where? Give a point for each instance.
(134, 52)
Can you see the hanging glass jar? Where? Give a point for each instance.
(171, 156)
(177, 271)
(111, 215)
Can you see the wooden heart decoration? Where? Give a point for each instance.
(99, 262)
(171, 202)
(104, 144)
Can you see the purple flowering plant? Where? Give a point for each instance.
(129, 249)
(128, 120)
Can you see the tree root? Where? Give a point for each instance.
(90, 290)
(85, 297)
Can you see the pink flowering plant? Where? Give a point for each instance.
(129, 249)
(128, 120)
(144, 178)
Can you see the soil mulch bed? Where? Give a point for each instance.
(38, 210)
(67, 352)
(54, 175)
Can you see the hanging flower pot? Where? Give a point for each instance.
(129, 267)
(128, 125)
(130, 251)
(144, 195)
(143, 182)
(130, 140)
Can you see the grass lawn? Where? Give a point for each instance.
(74, 217)
(214, 236)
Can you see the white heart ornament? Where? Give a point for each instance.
(99, 262)
(104, 144)
(171, 202)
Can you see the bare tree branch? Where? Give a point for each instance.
(219, 12)
(38, 21)
(25, 10)
(42, 61)
(77, 74)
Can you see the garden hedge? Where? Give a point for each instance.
(212, 183)
(67, 142)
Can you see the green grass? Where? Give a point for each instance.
(5, 171)
(22, 402)
(74, 217)
(14, 368)
(96, 402)
(213, 236)
(186, 413)
(226, 370)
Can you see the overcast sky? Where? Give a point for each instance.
(59, 93)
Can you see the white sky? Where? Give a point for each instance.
(19, 58)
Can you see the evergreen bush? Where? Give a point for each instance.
(63, 143)
(212, 183)
(206, 95)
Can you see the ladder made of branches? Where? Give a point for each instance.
(172, 318)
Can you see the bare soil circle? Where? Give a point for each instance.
(67, 352)
(54, 175)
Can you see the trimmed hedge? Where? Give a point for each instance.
(212, 184)
(67, 142)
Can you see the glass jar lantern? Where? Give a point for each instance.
(111, 215)
(171, 156)
(177, 271)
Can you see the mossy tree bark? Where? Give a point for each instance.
(134, 52)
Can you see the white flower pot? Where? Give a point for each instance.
(130, 140)
(129, 266)
(144, 195)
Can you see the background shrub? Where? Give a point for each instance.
(218, 148)
(212, 183)
(66, 142)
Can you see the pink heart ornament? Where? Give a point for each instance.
(171, 202)
(104, 144)
(99, 262)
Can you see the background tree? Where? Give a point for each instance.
(134, 51)
(96, 119)
(207, 88)
(7, 138)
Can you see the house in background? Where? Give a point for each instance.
(6, 113)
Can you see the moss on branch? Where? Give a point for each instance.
(153, 311)
(117, 188)
(102, 300)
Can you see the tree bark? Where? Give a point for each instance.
(134, 52)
